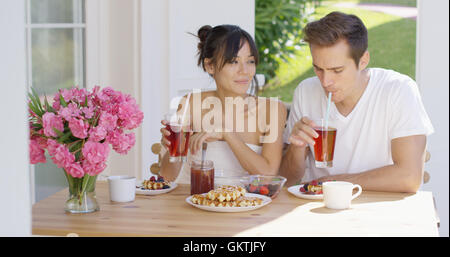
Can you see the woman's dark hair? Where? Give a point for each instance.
(335, 26)
(221, 45)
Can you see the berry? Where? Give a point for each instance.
(253, 188)
(166, 186)
(314, 182)
(152, 179)
(302, 189)
(263, 190)
(305, 187)
(160, 179)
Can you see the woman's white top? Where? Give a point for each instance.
(225, 162)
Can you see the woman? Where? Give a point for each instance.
(243, 143)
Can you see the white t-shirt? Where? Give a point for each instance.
(390, 107)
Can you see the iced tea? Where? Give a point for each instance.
(179, 141)
(324, 146)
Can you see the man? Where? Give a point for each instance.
(379, 116)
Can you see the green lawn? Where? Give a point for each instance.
(392, 45)
(411, 3)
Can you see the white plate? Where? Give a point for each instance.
(295, 190)
(139, 191)
(266, 201)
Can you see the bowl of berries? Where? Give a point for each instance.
(263, 184)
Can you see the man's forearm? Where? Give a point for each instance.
(293, 164)
(390, 178)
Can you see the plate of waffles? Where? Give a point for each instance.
(155, 186)
(228, 199)
(295, 190)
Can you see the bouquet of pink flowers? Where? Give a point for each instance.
(77, 129)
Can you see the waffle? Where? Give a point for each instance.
(244, 201)
(226, 193)
(203, 200)
(226, 196)
(153, 185)
(239, 202)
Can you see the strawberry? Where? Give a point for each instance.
(314, 182)
(263, 190)
(152, 179)
(302, 189)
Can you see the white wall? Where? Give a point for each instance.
(113, 59)
(15, 198)
(168, 52)
(432, 71)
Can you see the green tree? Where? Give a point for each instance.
(278, 29)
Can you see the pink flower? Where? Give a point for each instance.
(97, 134)
(40, 140)
(108, 121)
(52, 145)
(67, 94)
(37, 154)
(88, 112)
(79, 94)
(106, 95)
(69, 112)
(79, 128)
(129, 114)
(94, 152)
(75, 170)
(101, 115)
(121, 143)
(50, 122)
(62, 157)
(93, 169)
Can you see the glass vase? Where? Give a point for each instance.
(82, 197)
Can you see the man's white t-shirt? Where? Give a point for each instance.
(390, 107)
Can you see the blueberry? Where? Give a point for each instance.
(166, 186)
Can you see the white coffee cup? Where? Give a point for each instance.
(122, 188)
(339, 194)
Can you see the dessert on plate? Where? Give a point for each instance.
(313, 188)
(155, 183)
(226, 196)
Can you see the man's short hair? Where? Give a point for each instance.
(336, 26)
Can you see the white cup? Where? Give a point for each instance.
(339, 194)
(122, 188)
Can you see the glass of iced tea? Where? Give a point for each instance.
(324, 144)
(179, 137)
(202, 176)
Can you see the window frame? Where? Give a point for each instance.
(78, 72)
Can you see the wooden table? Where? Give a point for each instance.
(371, 214)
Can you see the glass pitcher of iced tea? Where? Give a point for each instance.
(202, 176)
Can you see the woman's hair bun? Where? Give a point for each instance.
(202, 34)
